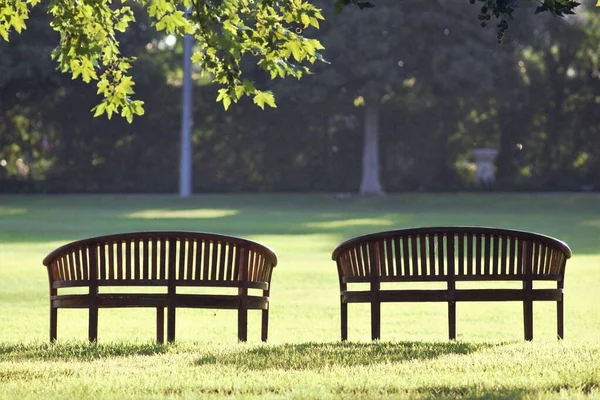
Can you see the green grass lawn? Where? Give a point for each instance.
(304, 357)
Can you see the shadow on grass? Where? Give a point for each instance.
(83, 351)
(315, 356)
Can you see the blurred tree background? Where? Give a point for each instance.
(411, 90)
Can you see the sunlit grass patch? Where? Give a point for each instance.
(207, 213)
(6, 211)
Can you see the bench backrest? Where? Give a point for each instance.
(451, 253)
(161, 259)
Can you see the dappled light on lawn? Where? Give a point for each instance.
(6, 211)
(206, 213)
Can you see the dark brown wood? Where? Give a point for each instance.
(415, 255)
(527, 254)
(478, 255)
(243, 296)
(53, 323)
(53, 310)
(93, 292)
(398, 256)
(120, 265)
(560, 328)
(85, 263)
(343, 304)
(437, 295)
(171, 288)
(162, 262)
(160, 259)
(499, 254)
(487, 256)
(405, 256)
(136, 260)
(451, 285)
(189, 270)
(496, 254)
(389, 252)
(206, 260)
(128, 259)
(146, 258)
(229, 273)
(461, 255)
(111, 261)
(198, 263)
(458, 278)
(214, 267)
(155, 260)
(470, 255)
(504, 256)
(431, 250)
(181, 259)
(160, 324)
(374, 259)
(344, 318)
(93, 324)
(264, 330)
(362, 266)
(423, 254)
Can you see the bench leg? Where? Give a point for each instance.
(243, 324)
(53, 323)
(160, 324)
(375, 320)
(528, 319)
(264, 332)
(452, 320)
(560, 319)
(93, 324)
(171, 324)
(344, 319)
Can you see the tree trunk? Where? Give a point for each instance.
(370, 185)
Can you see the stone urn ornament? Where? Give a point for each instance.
(485, 171)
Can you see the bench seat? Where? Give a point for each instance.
(450, 255)
(166, 260)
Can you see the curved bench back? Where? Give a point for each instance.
(451, 253)
(160, 259)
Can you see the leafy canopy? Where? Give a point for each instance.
(225, 30)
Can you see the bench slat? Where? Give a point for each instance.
(495, 254)
(229, 272)
(188, 246)
(180, 262)
(198, 263)
(478, 255)
(442, 295)
(487, 255)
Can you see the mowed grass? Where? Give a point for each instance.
(304, 357)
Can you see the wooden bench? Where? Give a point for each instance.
(450, 255)
(164, 260)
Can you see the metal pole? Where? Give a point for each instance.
(185, 166)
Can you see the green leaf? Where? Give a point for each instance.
(99, 109)
(261, 98)
(226, 102)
